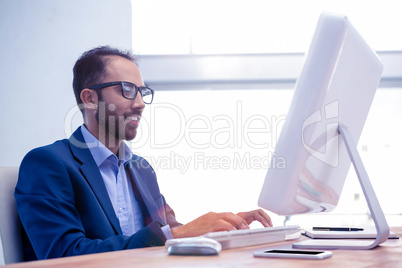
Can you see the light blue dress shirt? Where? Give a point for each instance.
(118, 185)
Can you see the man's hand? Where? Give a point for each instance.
(256, 215)
(214, 222)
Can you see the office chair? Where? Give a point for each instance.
(10, 225)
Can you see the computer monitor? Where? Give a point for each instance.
(333, 95)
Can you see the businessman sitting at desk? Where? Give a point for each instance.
(90, 193)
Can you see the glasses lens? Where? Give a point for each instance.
(128, 90)
(147, 95)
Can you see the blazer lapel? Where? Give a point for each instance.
(155, 213)
(92, 175)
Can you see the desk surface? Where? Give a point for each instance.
(389, 254)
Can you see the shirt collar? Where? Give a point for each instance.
(100, 152)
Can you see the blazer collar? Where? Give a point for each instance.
(92, 174)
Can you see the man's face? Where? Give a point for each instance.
(118, 117)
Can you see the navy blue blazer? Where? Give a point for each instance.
(65, 209)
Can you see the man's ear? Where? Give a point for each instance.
(89, 99)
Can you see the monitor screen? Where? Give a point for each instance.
(336, 86)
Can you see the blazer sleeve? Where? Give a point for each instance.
(46, 200)
(146, 171)
(170, 216)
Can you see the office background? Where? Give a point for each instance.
(219, 67)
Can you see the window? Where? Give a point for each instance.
(214, 157)
(209, 136)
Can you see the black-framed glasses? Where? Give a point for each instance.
(129, 90)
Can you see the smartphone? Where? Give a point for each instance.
(294, 254)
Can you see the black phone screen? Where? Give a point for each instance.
(302, 252)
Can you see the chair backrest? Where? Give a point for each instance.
(10, 225)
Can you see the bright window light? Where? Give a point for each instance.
(211, 151)
(211, 148)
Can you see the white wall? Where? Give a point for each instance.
(40, 41)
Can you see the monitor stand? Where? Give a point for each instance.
(372, 201)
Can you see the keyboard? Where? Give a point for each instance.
(255, 237)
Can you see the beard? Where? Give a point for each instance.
(113, 127)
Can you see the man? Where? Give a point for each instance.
(89, 193)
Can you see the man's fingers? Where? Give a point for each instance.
(257, 215)
(235, 220)
(264, 218)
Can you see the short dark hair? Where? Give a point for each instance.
(90, 68)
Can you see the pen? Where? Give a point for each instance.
(345, 229)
